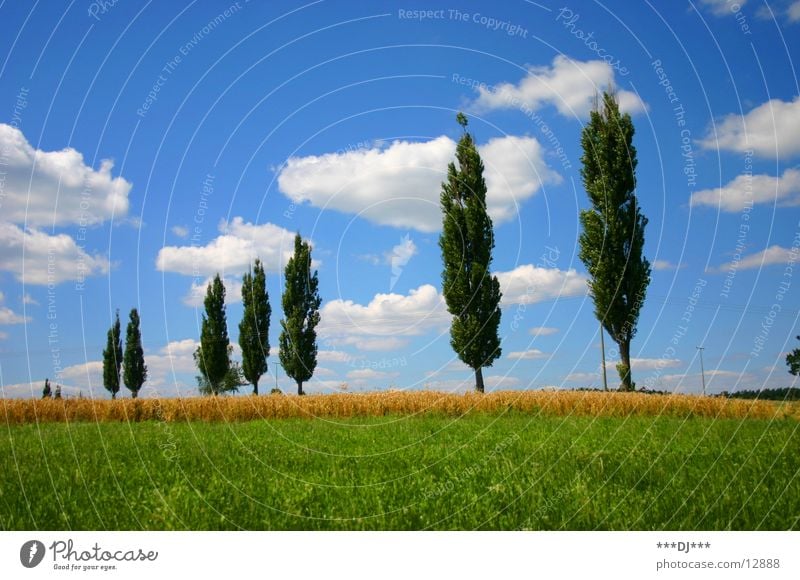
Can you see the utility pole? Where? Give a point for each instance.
(702, 370)
(603, 354)
(276, 374)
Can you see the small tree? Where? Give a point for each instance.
(467, 240)
(612, 239)
(793, 361)
(112, 358)
(58, 392)
(213, 355)
(46, 392)
(135, 370)
(254, 327)
(301, 301)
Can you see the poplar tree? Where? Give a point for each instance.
(254, 327)
(472, 294)
(134, 370)
(301, 302)
(612, 237)
(213, 355)
(112, 358)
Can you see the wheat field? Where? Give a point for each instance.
(547, 403)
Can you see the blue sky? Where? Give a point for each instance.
(146, 146)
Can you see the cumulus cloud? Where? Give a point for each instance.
(334, 356)
(170, 362)
(197, 291)
(568, 85)
(385, 319)
(399, 185)
(237, 246)
(766, 257)
(528, 284)
(180, 231)
(662, 265)
(361, 375)
(57, 187)
(722, 7)
(752, 189)
(47, 258)
(769, 130)
(8, 316)
(543, 330)
(530, 354)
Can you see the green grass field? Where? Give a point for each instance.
(486, 471)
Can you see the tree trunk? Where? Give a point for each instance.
(255, 387)
(479, 379)
(300, 388)
(134, 394)
(113, 395)
(625, 358)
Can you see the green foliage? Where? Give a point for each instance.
(58, 392)
(793, 361)
(254, 327)
(112, 358)
(230, 383)
(556, 473)
(472, 294)
(301, 302)
(213, 355)
(46, 392)
(612, 237)
(135, 370)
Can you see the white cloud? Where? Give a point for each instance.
(334, 356)
(662, 265)
(239, 244)
(57, 187)
(543, 330)
(568, 85)
(755, 189)
(793, 12)
(767, 257)
(171, 361)
(530, 354)
(399, 257)
(770, 129)
(8, 316)
(399, 185)
(47, 259)
(528, 284)
(197, 291)
(180, 231)
(723, 7)
(369, 375)
(386, 315)
(28, 299)
(383, 343)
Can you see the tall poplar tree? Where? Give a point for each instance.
(612, 237)
(134, 371)
(213, 355)
(472, 294)
(301, 301)
(112, 358)
(254, 327)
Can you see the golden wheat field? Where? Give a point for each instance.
(558, 403)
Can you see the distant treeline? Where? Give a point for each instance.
(785, 394)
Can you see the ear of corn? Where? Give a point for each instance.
(558, 403)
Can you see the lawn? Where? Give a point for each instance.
(492, 470)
